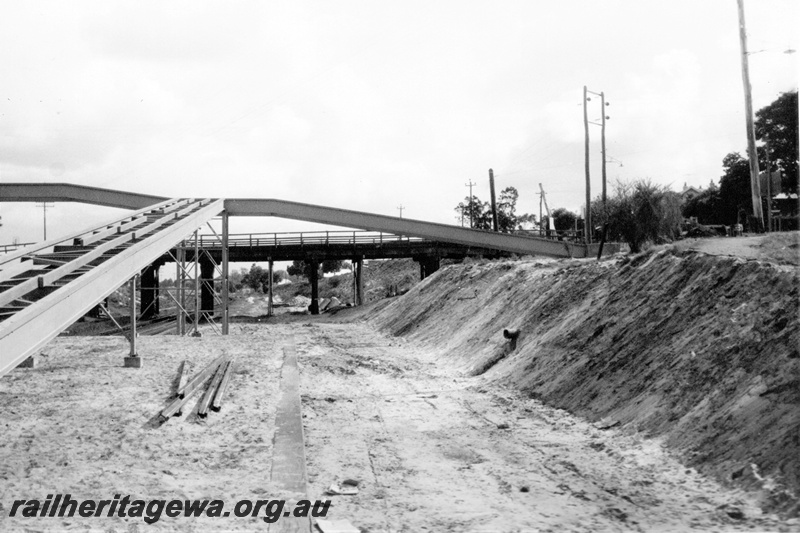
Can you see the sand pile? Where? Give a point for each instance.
(698, 350)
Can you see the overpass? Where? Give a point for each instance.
(46, 286)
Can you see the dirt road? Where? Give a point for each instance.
(437, 452)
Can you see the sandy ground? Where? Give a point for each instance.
(438, 452)
(432, 451)
(81, 424)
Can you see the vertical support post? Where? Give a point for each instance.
(181, 288)
(225, 268)
(133, 360)
(197, 304)
(359, 281)
(494, 202)
(587, 219)
(314, 280)
(269, 282)
(133, 315)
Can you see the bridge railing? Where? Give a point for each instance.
(311, 238)
(6, 248)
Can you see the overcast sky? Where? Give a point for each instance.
(373, 104)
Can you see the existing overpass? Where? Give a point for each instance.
(46, 286)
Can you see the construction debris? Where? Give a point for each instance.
(185, 393)
(216, 405)
(337, 526)
(184, 378)
(202, 409)
(341, 489)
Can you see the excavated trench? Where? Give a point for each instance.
(699, 351)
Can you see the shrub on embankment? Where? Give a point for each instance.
(701, 351)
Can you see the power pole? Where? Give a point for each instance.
(587, 222)
(602, 124)
(470, 185)
(769, 186)
(44, 206)
(400, 208)
(755, 187)
(603, 105)
(494, 203)
(541, 197)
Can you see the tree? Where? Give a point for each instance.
(705, 206)
(480, 213)
(777, 123)
(257, 278)
(302, 268)
(563, 219)
(735, 199)
(507, 218)
(641, 212)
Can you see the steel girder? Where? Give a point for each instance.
(21, 192)
(403, 226)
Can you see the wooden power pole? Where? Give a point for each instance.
(755, 187)
(587, 219)
(494, 202)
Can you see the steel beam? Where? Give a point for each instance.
(306, 212)
(401, 226)
(28, 330)
(67, 192)
(225, 273)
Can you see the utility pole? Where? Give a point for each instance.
(603, 105)
(470, 185)
(602, 124)
(769, 186)
(587, 222)
(494, 203)
(755, 187)
(541, 197)
(400, 208)
(44, 206)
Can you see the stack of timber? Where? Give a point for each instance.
(219, 372)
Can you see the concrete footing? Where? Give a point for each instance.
(133, 362)
(30, 362)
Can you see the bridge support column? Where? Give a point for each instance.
(180, 288)
(148, 292)
(358, 281)
(206, 287)
(225, 268)
(427, 266)
(269, 288)
(133, 360)
(314, 280)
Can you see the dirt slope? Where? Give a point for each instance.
(699, 350)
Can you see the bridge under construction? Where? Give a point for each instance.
(46, 286)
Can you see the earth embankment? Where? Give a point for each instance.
(700, 351)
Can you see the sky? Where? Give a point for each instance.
(372, 105)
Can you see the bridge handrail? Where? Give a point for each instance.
(305, 238)
(6, 248)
